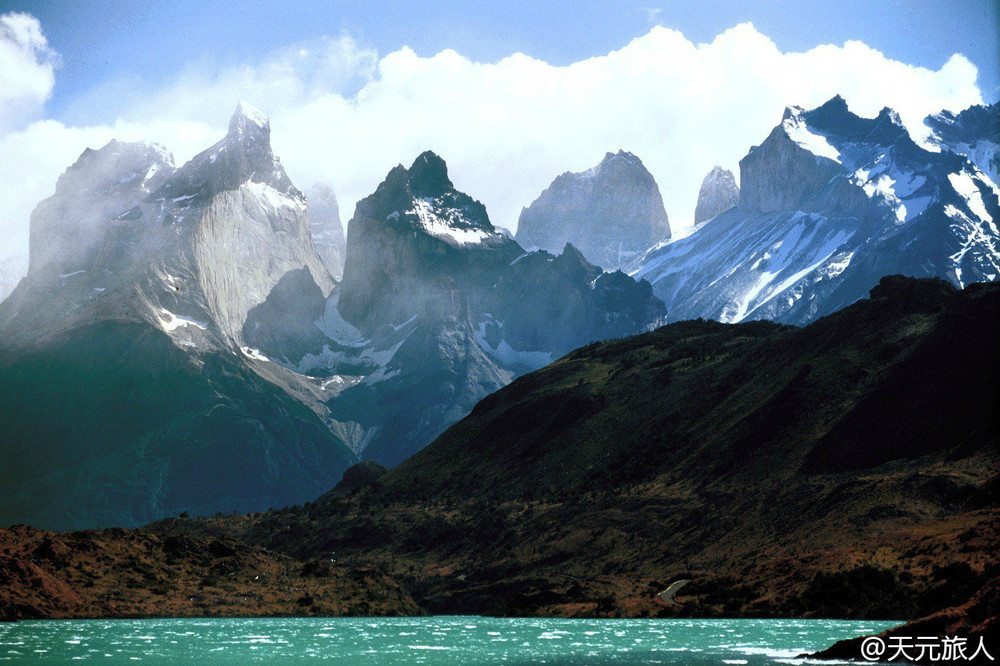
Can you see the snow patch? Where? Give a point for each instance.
(275, 199)
(508, 356)
(149, 174)
(897, 187)
(336, 328)
(796, 248)
(253, 114)
(441, 223)
(797, 130)
(837, 265)
(171, 322)
(406, 323)
(255, 354)
(966, 188)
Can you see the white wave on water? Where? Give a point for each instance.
(426, 640)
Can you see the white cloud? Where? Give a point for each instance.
(506, 129)
(205, 92)
(341, 115)
(27, 67)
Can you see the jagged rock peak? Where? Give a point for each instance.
(249, 125)
(718, 194)
(425, 199)
(67, 227)
(974, 132)
(623, 156)
(808, 148)
(248, 114)
(836, 119)
(244, 155)
(611, 212)
(326, 227)
(411, 236)
(836, 104)
(976, 123)
(428, 175)
(570, 252)
(117, 163)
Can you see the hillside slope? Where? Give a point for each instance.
(783, 469)
(127, 389)
(845, 469)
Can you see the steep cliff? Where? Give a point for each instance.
(610, 213)
(829, 203)
(718, 194)
(123, 353)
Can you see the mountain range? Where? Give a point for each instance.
(175, 320)
(845, 469)
(793, 407)
(829, 203)
(126, 387)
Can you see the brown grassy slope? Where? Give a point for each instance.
(848, 469)
(844, 469)
(130, 573)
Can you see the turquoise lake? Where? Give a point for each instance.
(427, 640)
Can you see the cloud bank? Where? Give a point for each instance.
(343, 115)
(27, 69)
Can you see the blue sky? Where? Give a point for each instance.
(353, 88)
(110, 40)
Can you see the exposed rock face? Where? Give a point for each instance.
(253, 228)
(610, 212)
(142, 279)
(285, 324)
(409, 238)
(247, 240)
(202, 312)
(68, 227)
(554, 304)
(205, 243)
(975, 133)
(718, 194)
(830, 203)
(326, 227)
(438, 308)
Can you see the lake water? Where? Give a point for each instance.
(433, 640)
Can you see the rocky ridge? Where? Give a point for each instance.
(610, 212)
(829, 203)
(718, 194)
(131, 320)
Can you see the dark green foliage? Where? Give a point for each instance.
(113, 425)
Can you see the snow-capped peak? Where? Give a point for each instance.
(829, 203)
(975, 133)
(795, 126)
(252, 114)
